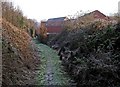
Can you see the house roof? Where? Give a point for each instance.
(96, 11)
(55, 21)
(97, 14)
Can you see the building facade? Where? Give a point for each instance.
(55, 25)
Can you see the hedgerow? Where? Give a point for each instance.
(91, 54)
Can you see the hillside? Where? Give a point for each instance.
(19, 56)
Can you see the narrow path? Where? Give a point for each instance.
(51, 70)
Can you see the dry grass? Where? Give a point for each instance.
(19, 58)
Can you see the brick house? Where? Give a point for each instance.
(96, 15)
(87, 19)
(55, 25)
(99, 15)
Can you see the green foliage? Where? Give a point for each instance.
(21, 22)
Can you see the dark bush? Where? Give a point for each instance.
(92, 56)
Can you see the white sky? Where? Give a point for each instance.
(44, 9)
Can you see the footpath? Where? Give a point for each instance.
(51, 70)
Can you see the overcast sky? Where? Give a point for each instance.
(44, 9)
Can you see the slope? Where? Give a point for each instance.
(19, 56)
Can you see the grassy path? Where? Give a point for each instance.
(51, 72)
